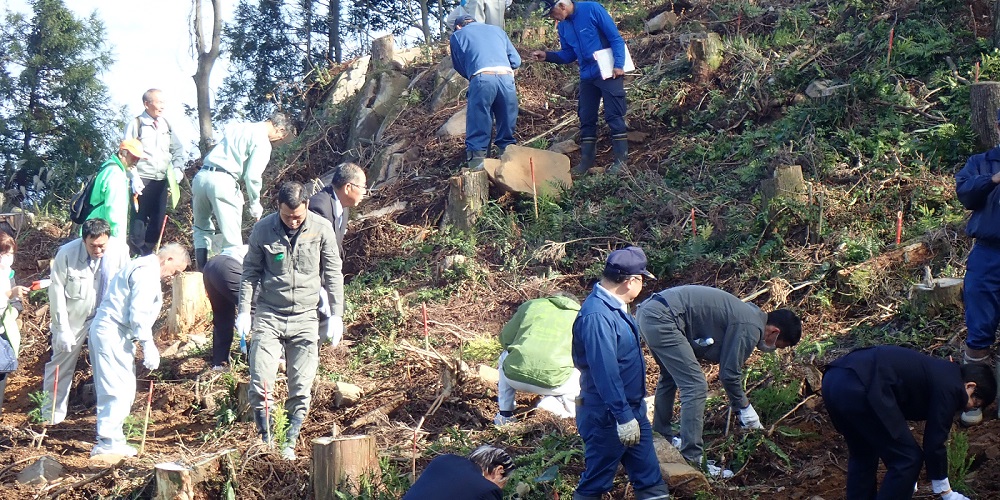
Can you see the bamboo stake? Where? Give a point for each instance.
(534, 192)
(163, 228)
(694, 225)
(145, 424)
(899, 226)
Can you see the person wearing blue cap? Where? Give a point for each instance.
(585, 28)
(976, 186)
(611, 412)
(688, 323)
(483, 54)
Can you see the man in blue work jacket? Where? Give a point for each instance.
(483, 54)
(976, 185)
(586, 28)
(611, 413)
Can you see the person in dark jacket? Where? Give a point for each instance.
(481, 476)
(611, 412)
(685, 324)
(483, 54)
(585, 28)
(976, 186)
(222, 275)
(871, 394)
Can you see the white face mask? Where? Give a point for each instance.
(6, 261)
(764, 347)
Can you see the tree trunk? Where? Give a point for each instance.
(307, 29)
(334, 48)
(996, 29)
(467, 194)
(984, 99)
(189, 305)
(341, 463)
(206, 59)
(425, 21)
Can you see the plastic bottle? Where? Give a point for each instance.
(705, 342)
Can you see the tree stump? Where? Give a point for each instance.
(705, 54)
(787, 182)
(984, 99)
(189, 306)
(938, 296)
(383, 48)
(341, 463)
(243, 413)
(177, 481)
(467, 194)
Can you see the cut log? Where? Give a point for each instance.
(787, 183)
(340, 464)
(177, 481)
(860, 282)
(934, 298)
(189, 307)
(243, 413)
(467, 194)
(984, 99)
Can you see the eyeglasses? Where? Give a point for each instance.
(364, 189)
(641, 278)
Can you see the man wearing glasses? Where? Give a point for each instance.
(610, 412)
(688, 323)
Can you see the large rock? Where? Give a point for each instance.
(349, 82)
(44, 470)
(683, 479)
(564, 147)
(662, 21)
(377, 98)
(347, 394)
(455, 126)
(489, 375)
(448, 85)
(389, 162)
(514, 172)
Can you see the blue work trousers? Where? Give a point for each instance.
(982, 295)
(612, 91)
(602, 452)
(491, 97)
(868, 440)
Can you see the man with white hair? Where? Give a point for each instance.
(126, 316)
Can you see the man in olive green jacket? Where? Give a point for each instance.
(537, 357)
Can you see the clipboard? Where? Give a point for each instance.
(606, 62)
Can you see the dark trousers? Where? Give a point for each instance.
(981, 295)
(846, 399)
(491, 97)
(223, 299)
(612, 91)
(603, 451)
(144, 230)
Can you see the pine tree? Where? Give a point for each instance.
(57, 124)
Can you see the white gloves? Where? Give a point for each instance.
(178, 174)
(334, 330)
(243, 323)
(150, 355)
(954, 495)
(749, 418)
(628, 433)
(256, 210)
(62, 342)
(137, 185)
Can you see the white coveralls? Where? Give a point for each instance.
(562, 403)
(126, 315)
(78, 284)
(242, 153)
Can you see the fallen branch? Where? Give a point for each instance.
(776, 422)
(88, 479)
(571, 118)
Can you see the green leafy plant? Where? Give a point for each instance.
(959, 461)
(482, 349)
(279, 426)
(41, 405)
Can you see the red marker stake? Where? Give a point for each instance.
(694, 225)
(534, 193)
(55, 394)
(899, 226)
(892, 34)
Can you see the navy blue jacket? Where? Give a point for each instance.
(607, 352)
(902, 385)
(478, 45)
(588, 30)
(978, 193)
(452, 477)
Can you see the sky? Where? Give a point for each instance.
(151, 44)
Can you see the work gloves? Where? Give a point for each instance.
(749, 418)
(256, 210)
(62, 342)
(243, 323)
(943, 487)
(137, 185)
(334, 330)
(150, 355)
(628, 433)
(178, 174)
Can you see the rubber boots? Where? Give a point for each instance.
(291, 436)
(476, 160)
(201, 257)
(619, 146)
(262, 426)
(588, 153)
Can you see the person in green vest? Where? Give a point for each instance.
(110, 197)
(536, 358)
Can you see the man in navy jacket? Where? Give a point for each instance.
(871, 393)
(483, 54)
(585, 28)
(481, 476)
(976, 185)
(611, 413)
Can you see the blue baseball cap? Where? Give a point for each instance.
(463, 20)
(628, 261)
(549, 4)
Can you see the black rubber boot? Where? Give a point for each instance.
(262, 428)
(619, 146)
(291, 436)
(588, 153)
(201, 257)
(476, 160)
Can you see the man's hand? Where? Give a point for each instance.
(18, 292)
(150, 355)
(334, 330)
(617, 73)
(62, 342)
(256, 210)
(178, 174)
(538, 55)
(628, 433)
(749, 418)
(137, 185)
